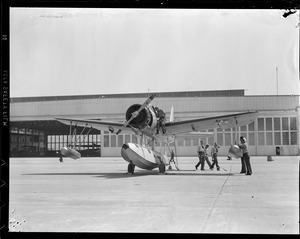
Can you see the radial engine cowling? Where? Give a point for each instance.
(142, 119)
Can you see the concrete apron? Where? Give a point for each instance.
(96, 195)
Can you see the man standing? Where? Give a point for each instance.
(200, 151)
(214, 155)
(245, 159)
(161, 120)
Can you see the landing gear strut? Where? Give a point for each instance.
(130, 168)
(162, 168)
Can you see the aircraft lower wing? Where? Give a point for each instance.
(97, 124)
(223, 121)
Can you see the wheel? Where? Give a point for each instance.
(130, 168)
(162, 168)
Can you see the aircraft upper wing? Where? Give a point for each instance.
(223, 121)
(97, 124)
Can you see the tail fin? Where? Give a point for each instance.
(172, 114)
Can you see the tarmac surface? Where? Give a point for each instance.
(96, 195)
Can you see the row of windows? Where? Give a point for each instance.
(277, 124)
(56, 142)
(271, 131)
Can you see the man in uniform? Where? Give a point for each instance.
(201, 155)
(214, 155)
(161, 120)
(206, 158)
(245, 159)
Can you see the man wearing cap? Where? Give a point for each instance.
(245, 159)
(214, 155)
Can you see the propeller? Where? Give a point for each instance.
(136, 113)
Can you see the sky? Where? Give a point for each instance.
(78, 51)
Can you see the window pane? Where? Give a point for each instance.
(127, 138)
(269, 138)
(134, 139)
(227, 139)
(276, 123)
(210, 140)
(269, 124)
(285, 138)
(188, 142)
(251, 139)
(120, 140)
(293, 123)
(106, 141)
(293, 138)
(285, 123)
(261, 126)
(195, 142)
(261, 139)
(243, 128)
(113, 140)
(251, 127)
(277, 138)
(220, 139)
(180, 142)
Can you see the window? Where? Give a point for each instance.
(277, 124)
(269, 138)
(220, 139)
(277, 138)
(261, 126)
(261, 138)
(180, 142)
(243, 128)
(134, 139)
(251, 127)
(251, 139)
(285, 138)
(120, 140)
(268, 124)
(113, 141)
(188, 142)
(195, 142)
(293, 123)
(285, 123)
(210, 140)
(227, 139)
(127, 138)
(293, 138)
(106, 141)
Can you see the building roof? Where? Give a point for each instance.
(214, 93)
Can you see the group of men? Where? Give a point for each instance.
(203, 156)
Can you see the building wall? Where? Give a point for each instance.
(262, 140)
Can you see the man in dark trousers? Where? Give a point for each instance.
(201, 154)
(245, 159)
(161, 120)
(60, 156)
(214, 155)
(206, 158)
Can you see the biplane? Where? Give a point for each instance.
(145, 120)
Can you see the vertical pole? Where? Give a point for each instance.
(277, 78)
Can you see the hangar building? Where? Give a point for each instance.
(35, 132)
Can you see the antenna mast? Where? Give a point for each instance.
(277, 78)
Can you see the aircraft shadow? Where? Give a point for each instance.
(136, 174)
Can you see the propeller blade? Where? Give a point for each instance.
(136, 113)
